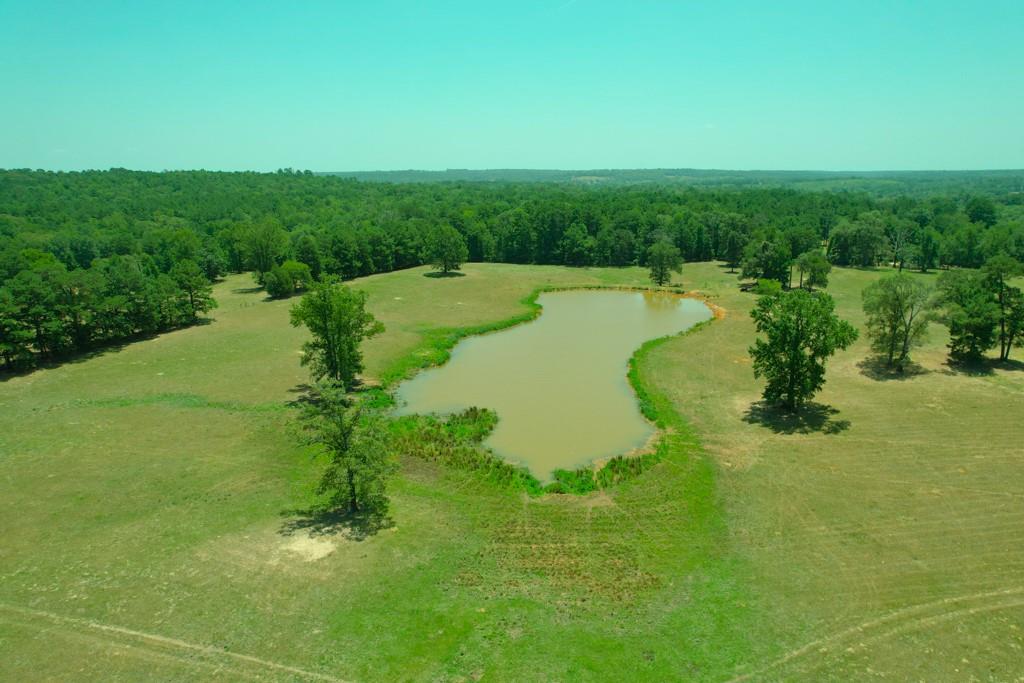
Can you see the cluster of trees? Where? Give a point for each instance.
(982, 308)
(48, 312)
(940, 232)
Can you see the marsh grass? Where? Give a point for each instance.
(455, 442)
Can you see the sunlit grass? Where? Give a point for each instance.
(151, 488)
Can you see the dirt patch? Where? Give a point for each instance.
(308, 548)
(717, 311)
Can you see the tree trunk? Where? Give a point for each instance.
(353, 502)
(1004, 350)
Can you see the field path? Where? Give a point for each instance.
(893, 623)
(158, 641)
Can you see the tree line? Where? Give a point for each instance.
(292, 228)
(48, 312)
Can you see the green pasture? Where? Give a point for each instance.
(152, 522)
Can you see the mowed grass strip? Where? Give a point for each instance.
(152, 489)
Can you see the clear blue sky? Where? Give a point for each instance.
(384, 84)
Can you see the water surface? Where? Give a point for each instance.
(558, 383)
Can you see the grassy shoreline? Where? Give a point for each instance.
(597, 475)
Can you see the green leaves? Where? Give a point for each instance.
(338, 321)
(897, 308)
(446, 248)
(663, 258)
(801, 333)
(359, 450)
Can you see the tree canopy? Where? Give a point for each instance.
(897, 308)
(446, 249)
(233, 222)
(338, 322)
(813, 268)
(970, 312)
(801, 332)
(998, 272)
(357, 445)
(663, 259)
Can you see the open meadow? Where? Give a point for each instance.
(153, 524)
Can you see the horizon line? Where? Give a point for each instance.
(523, 169)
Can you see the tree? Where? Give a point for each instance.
(615, 247)
(307, 251)
(1014, 320)
(358, 450)
(663, 259)
(857, 243)
(970, 312)
(928, 248)
(998, 271)
(577, 246)
(900, 233)
(446, 248)
(213, 262)
(195, 288)
(766, 259)
(897, 309)
(264, 244)
(981, 210)
(813, 268)
(802, 332)
(15, 334)
(735, 241)
(338, 321)
(286, 279)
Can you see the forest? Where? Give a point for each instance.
(93, 258)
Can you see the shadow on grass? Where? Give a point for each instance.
(982, 367)
(813, 417)
(307, 394)
(874, 367)
(247, 290)
(318, 521)
(304, 394)
(450, 273)
(76, 357)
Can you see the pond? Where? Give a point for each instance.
(558, 383)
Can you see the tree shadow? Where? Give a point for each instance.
(450, 273)
(76, 357)
(981, 367)
(875, 367)
(812, 417)
(305, 394)
(319, 521)
(1011, 364)
(247, 290)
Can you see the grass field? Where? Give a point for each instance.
(149, 526)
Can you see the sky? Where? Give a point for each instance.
(566, 84)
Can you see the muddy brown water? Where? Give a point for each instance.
(558, 383)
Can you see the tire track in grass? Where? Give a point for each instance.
(175, 643)
(899, 621)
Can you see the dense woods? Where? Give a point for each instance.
(95, 257)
